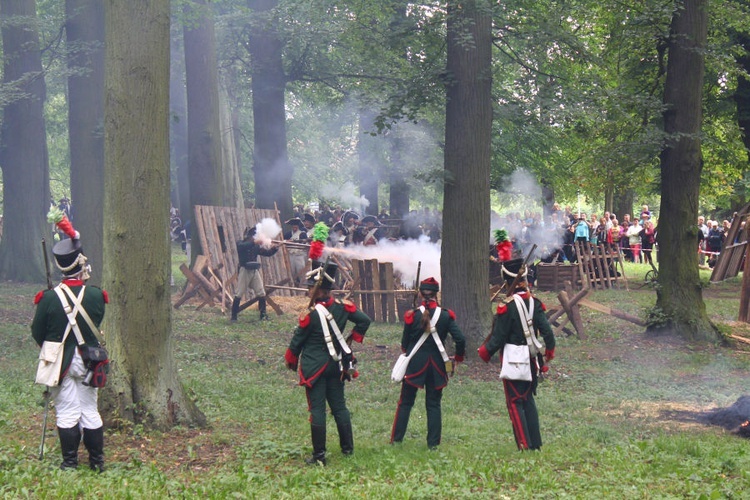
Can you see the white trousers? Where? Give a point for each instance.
(75, 403)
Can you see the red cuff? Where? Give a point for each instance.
(290, 358)
(549, 354)
(484, 354)
(458, 359)
(358, 337)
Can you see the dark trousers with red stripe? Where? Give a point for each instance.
(519, 397)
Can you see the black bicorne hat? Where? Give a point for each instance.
(309, 218)
(349, 215)
(510, 269)
(339, 226)
(294, 221)
(66, 254)
(328, 278)
(371, 218)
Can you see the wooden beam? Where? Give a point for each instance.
(612, 312)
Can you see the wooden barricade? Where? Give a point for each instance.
(597, 265)
(731, 258)
(374, 290)
(552, 277)
(219, 229)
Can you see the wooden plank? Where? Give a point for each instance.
(612, 312)
(390, 297)
(737, 337)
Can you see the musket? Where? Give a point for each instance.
(46, 264)
(44, 423)
(416, 286)
(46, 390)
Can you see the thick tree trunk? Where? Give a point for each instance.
(468, 124)
(367, 150)
(622, 204)
(229, 158)
(679, 303)
(144, 386)
(23, 147)
(85, 32)
(273, 171)
(398, 187)
(204, 131)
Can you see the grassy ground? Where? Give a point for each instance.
(616, 414)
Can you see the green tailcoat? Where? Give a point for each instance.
(50, 320)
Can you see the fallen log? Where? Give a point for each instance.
(612, 312)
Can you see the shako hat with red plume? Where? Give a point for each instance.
(68, 252)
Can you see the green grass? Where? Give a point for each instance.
(608, 413)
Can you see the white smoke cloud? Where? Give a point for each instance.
(345, 195)
(266, 230)
(404, 254)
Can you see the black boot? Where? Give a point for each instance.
(262, 308)
(346, 439)
(93, 439)
(69, 441)
(318, 433)
(235, 308)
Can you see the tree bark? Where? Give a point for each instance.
(468, 125)
(271, 166)
(204, 137)
(144, 385)
(679, 303)
(85, 32)
(367, 150)
(23, 147)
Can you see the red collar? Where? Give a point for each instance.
(429, 304)
(328, 302)
(73, 282)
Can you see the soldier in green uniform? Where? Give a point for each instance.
(427, 366)
(508, 329)
(325, 359)
(75, 398)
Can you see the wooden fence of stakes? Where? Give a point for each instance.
(212, 279)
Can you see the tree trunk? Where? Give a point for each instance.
(468, 124)
(85, 34)
(144, 386)
(679, 303)
(367, 150)
(204, 137)
(271, 166)
(622, 203)
(398, 187)
(229, 158)
(178, 128)
(23, 154)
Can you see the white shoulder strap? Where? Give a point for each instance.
(433, 332)
(326, 319)
(71, 311)
(528, 323)
(81, 310)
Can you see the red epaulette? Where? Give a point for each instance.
(502, 308)
(349, 306)
(39, 296)
(304, 320)
(106, 296)
(452, 314)
(544, 308)
(409, 317)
